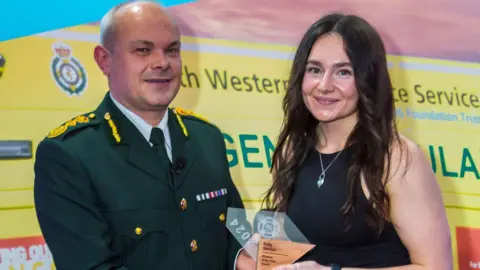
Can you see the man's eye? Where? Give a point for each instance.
(175, 50)
(142, 50)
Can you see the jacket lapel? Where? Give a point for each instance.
(132, 146)
(182, 148)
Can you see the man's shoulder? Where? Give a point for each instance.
(75, 125)
(194, 120)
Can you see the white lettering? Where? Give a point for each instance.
(36, 252)
(13, 255)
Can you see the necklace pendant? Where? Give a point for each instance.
(321, 180)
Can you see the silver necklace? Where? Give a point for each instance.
(321, 178)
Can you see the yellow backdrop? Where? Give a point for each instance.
(239, 88)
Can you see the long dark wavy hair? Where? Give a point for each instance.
(371, 138)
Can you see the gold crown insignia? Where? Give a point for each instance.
(62, 50)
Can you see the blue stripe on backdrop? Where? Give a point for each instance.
(24, 18)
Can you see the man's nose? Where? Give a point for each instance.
(159, 61)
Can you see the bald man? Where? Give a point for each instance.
(135, 184)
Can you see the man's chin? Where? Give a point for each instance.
(160, 101)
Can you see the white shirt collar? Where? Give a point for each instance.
(144, 127)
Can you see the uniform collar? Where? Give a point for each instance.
(142, 126)
(131, 144)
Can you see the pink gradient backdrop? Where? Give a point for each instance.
(445, 29)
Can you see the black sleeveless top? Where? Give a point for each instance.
(316, 212)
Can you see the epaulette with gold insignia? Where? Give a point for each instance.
(72, 124)
(112, 125)
(180, 112)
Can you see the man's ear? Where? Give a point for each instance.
(102, 57)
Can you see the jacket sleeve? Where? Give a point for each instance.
(71, 223)
(234, 245)
(234, 201)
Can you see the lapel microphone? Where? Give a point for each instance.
(178, 165)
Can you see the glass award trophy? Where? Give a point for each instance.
(270, 238)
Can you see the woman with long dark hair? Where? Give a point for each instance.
(361, 192)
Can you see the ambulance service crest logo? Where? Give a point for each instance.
(268, 227)
(67, 71)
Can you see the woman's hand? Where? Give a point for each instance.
(245, 259)
(245, 262)
(251, 247)
(310, 265)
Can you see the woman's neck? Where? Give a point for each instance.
(334, 135)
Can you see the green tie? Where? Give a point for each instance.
(158, 140)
